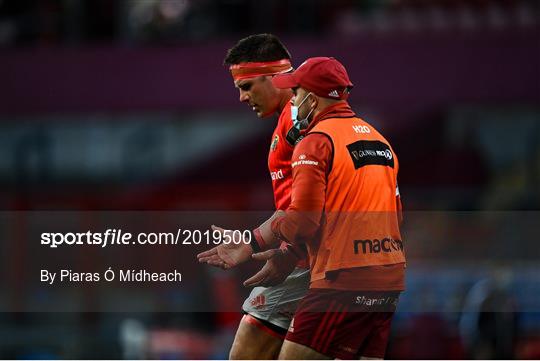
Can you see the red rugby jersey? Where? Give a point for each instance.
(279, 165)
(279, 160)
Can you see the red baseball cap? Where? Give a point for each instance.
(325, 77)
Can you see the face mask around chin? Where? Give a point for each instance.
(300, 123)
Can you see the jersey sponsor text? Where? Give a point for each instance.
(377, 246)
(277, 175)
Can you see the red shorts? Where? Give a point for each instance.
(344, 324)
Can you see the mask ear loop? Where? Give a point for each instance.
(303, 123)
(294, 134)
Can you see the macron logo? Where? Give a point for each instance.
(334, 93)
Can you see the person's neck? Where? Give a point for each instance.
(285, 97)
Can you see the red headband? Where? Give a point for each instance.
(252, 69)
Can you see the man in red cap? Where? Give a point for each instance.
(345, 207)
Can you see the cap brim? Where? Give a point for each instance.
(285, 81)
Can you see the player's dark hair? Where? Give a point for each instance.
(259, 47)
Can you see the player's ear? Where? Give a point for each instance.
(314, 101)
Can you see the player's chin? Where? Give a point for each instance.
(261, 113)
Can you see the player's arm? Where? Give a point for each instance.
(300, 223)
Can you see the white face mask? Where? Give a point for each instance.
(300, 123)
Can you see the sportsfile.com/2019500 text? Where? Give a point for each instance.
(119, 237)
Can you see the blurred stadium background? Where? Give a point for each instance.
(125, 105)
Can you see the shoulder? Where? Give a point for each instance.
(315, 144)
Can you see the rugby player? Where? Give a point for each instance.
(253, 61)
(346, 208)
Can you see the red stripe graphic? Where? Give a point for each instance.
(333, 333)
(321, 327)
(324, 339)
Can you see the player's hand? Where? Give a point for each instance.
(279, 265)
(227, 255)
